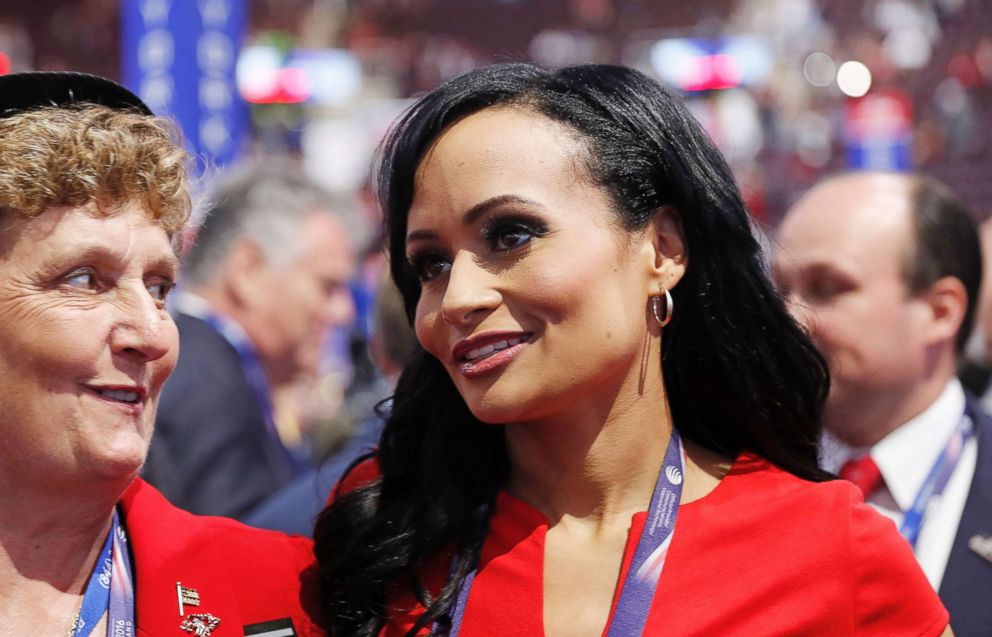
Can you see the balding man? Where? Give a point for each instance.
(884, 271)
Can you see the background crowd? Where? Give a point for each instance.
(292, 336)
(783, 123)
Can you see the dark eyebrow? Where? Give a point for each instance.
(472, 215)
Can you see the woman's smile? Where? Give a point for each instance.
(490, 352)
(531, 295)
(129, 399)
(87, 340)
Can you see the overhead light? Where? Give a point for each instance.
(853, 78)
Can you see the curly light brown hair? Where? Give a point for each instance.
(97, 155)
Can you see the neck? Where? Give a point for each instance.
(223, 303)
(884, 414)
(595, 464)
(53, 537)
(219, 302)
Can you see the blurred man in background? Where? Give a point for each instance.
(884, 272)
(294, 508)
(265, 282)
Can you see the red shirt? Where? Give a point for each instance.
(765, 553)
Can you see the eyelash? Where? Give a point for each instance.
(157, 281)
(167, 286)
(497, 229)
(76, 273)
(420, 261)
(493, 232)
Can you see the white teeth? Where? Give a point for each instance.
(489, 349)
(120, 394)
(482, 351)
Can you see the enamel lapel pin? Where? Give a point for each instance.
(187, 597)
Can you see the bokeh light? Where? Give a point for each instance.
(853, 78)
(819, 69)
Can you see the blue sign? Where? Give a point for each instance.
(893, 154)
(180, 56)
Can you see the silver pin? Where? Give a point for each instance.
(186, 597)
(200, 625)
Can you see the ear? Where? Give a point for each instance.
(665, 250)
(947, 301)
(244, 272)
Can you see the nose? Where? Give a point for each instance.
(469, 296)
(144, 331)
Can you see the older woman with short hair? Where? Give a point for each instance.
(93, 198)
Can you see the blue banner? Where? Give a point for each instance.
(895, 154)
(180, 56)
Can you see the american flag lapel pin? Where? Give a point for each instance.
(186, 597)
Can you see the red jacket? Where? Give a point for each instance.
(243, 575)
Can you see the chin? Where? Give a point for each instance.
(109, 477)
(120, 462)
(494, 409)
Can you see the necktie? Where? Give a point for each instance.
(863, 472)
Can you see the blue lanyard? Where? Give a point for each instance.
(937, 479)
(641, 582)
(110, 589)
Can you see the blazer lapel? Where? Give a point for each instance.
(168, 555)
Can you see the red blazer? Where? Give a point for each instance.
(243, 575)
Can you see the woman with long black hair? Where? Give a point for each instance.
(612, 426)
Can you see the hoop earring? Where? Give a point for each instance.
(656, 308)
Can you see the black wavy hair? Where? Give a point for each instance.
(739, 373)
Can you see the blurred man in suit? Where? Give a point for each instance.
(264, 283)
(884, 271)
(294, 508)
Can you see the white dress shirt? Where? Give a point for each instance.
(905, 458)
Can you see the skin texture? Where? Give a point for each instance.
(287, 310)
(517, 283)
(840, 261)
(513, 241)
(81, 309)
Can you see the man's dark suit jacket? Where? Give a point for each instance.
(966, 589)
(212, 452)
